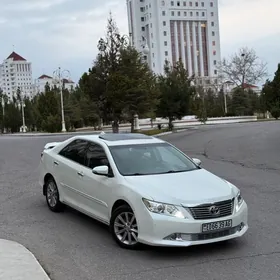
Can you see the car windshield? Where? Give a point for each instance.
(150, 159)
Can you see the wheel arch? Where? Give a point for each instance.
(46, 178)
(118, 203)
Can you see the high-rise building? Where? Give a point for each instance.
(43, 80)
(176, 29)
(16, 73)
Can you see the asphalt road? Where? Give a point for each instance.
(71, 246)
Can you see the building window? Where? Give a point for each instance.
(185, 14)
(197, 14)
(212, 14)
(178, 3)
(172, 13)
(215, 72)
(163, 13)
(213, 33)
(203, 14)
(179, 13)
(143, 28)
(213, 43)
(202, 4)
(215, 62)
(212, 23)
(184, 3)
(211, 4)
(166, 53)
(190, 4)
(164, 33)
(191, 14)
(142, 19)
(172, 3)
(214, 52)
(165, 43)
(196, 4)
(164, 23)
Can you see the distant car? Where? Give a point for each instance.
(145, 189)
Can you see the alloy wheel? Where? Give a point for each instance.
(126, 229)
(52, 194)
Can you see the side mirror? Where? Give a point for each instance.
(102, 170)
(197, 161)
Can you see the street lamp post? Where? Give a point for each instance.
(59, 75)
(21, 106)
(3, 113)
(225, 97)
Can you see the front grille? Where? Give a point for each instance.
(203, 212)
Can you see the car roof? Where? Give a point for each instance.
(116, 139)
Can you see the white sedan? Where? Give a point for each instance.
(145, 189)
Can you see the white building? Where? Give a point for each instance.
(174, 29)
(41, 82)
(16, 73)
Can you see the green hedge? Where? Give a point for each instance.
(152, 131)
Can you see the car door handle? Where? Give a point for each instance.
(81, 174)
(55, 163)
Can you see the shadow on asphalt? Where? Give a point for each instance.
(161, 253)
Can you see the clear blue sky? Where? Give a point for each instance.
(52, 33)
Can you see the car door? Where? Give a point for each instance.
(68, 165)
(97, 190)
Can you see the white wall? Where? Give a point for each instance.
(153, 15)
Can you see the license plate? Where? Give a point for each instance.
(214, 226)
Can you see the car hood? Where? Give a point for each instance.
(186, 188)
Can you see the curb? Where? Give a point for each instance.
(18, 263)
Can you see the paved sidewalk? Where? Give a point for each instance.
(17, 263)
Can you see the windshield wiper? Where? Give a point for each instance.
(174, 171)
(136, 174)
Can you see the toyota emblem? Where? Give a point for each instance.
(214, 210)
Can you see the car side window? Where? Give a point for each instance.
(95, 156)
(75, 151)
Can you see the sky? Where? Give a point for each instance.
(65, 33)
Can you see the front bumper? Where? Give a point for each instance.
(161, 230)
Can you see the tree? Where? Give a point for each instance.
(176, 91)
(137, 85)
(119, 83)
(243, 67)
(13, 120)
(48, 107)
(271, 92)
(201, 114)
(80, 110)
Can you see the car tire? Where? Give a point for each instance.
(124, 228)
(52, 196)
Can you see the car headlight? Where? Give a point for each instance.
(162, 208)
(239, 201)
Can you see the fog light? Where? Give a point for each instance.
(178, 237)
(187, 237)
(174, 237)
(241, 226)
